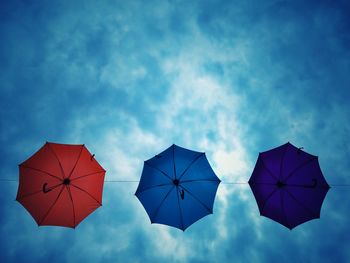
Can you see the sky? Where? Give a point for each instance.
(130, 78)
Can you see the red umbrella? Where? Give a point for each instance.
(60, 184)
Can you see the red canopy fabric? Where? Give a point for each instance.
(60, 184)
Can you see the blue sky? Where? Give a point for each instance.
(128, 79)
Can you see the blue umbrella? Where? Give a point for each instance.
(177, 187)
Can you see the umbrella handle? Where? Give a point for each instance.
(182, 194)
(45, 190)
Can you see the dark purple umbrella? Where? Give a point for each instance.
(288, 185)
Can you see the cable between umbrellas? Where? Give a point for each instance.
(137, 181)
(234, 182)
(8, 180)
(122, 181)
(222, 182)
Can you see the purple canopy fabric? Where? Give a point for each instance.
(288, 185)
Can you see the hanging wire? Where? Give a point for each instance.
(336, 185)
(129, 181)
(234, 182)
(121, 181)
(137, 181)
(8, 180)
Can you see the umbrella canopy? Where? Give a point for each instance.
(60, 184)
(288, 185)
(177, 187)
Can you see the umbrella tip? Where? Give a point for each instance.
(300, 149)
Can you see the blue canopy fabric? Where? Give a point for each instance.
(177, 187)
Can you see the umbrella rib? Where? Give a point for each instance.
(267, 199)
(85, 175)
(200, 180)
(36, 192)
(82, 147)
(282, 207)
(156, 168)
(180, 209)
(282, 161)
(197, 199)
(49, 210)
(161, 203)
(268, 170)
(86, 192)
(195, 159)
(258, 183)
(174, 160)
(26, 195)
(301, 204)
(36, 169)
(57, 159)
(321, 187)
(151, 187)
(300, 166)
(71, 198)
